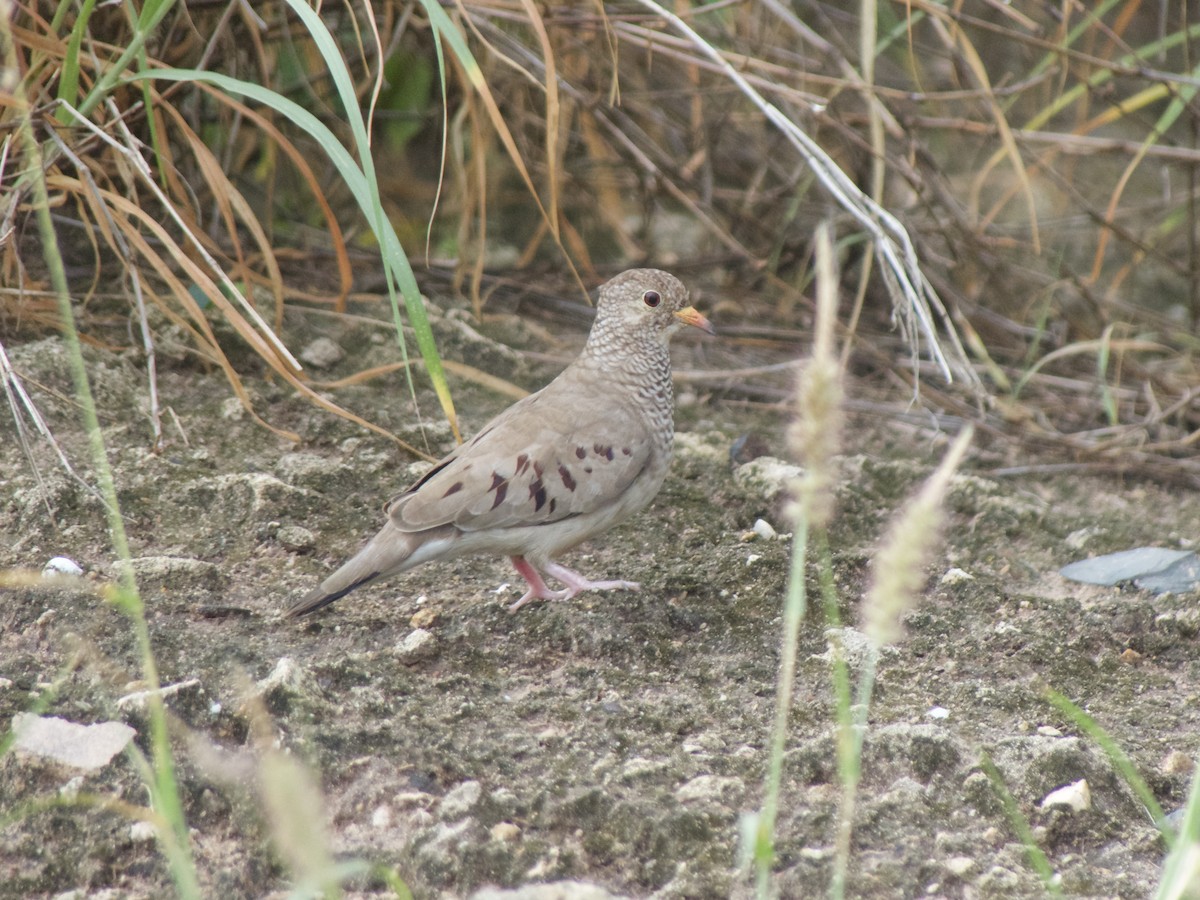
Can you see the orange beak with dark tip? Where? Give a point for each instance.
(690, 316)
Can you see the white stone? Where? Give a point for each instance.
(959, 866)
(505, 831)
(232, 409)
(707, 788)
(322, 353)
(764, 530)
(418, 644)
(382, 816)
(88, 747)
(956, 576)
(1077, 796)
(60, 567)
(460, 800)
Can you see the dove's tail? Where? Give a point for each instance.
(388, 553)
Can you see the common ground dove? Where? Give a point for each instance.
(554, 469)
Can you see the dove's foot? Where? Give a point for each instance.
(573, 580)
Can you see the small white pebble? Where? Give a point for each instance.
(938, 712)
(61, 566)
(1078, 540)
(505, 831)
(232, 410)
(1076, 796)
(764, 530)
(322, 353)
(752, 559)
(959, 866)
(956, 576)
(1048, 731)
(382, 816)
(418, 644)
(141, 832)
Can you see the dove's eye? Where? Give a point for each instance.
(652, 298)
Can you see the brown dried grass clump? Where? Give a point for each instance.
(1043, 166)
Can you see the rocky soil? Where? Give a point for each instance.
(608, 745)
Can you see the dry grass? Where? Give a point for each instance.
(1045, 169)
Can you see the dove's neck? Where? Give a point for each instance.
(639, 368)
(642, 356)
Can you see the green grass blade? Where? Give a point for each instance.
(1121, 762)
(1037, 856)
(793, 613)
(395, 259)
(360, 188)
(68, 79)
(164, 788)
(1181, 871)
(152, 13)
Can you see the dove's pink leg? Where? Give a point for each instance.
(537, 587)
(576, 582)
(573, 580)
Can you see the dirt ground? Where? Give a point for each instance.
(614, 740)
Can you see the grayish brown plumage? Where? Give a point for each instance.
(567, 463)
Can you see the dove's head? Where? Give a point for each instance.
(644, 304)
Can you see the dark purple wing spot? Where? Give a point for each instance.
(454, 489)
(580, 452)
(565, 474)
(626, 451)
(553, 503)
(538, 469)
(608, 454)
(587, 469)
(522, 462)
(537, 493)
(497, 481)
(501, 490)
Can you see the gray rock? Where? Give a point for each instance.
(87, 747)
(323, 353)
(417, 646)
(306, 469)
(1142, 564)
(709, 789)
(296, 538)
(173, 573)
(767, 476)
(460, 800)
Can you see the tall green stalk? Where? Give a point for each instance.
(163, 786)
(793, 614)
